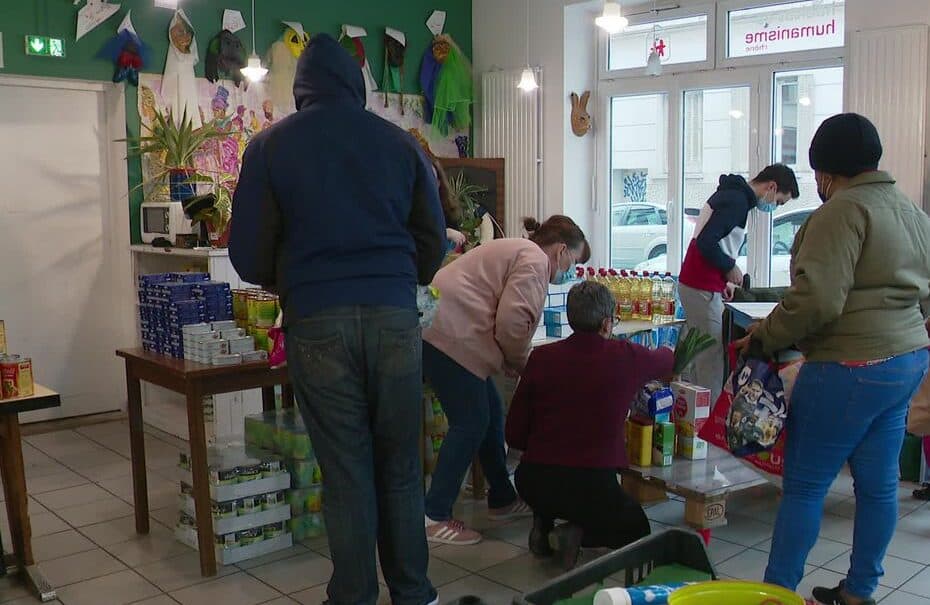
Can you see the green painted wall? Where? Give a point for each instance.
(57, 18)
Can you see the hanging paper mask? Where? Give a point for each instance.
(128, 52)
(446, 80)
(92, 15)
(179, 85)
(351, 40)
(284, 55)
(395, 51)
(225, 58)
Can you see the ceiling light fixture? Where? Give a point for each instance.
(254, 71)
(528, 77)
(612, 20)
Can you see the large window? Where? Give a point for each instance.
(801, 100)
(729, 106)
(638, 179)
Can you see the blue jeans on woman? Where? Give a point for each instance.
(843, 414)
(476, 426)
(359, 385)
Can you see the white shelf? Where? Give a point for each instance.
(181, 252)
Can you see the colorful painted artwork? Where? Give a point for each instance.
(242, 113)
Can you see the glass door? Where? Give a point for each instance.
(801, 101)
(715, 140)
(638, 181)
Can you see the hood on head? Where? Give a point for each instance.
(326, 71)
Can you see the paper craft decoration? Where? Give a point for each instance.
(179, 85)
(283, 58)
(446, 80)
(225, 58)
(351, 40)
(436, 22)
(127, 51)
(233, 21)
(395, 51)
(92, 15)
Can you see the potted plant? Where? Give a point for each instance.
(472, 211)
(212, 211)
(174, 143)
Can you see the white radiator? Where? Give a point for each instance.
(886, 75)
(511, 128)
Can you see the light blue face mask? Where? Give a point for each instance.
(766, 206)
(563, 277)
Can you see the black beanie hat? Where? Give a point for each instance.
(846, 144)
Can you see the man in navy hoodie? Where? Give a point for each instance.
(338, 211)
(710, 272)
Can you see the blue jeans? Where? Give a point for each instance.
(476, 426)
(358, 382)
(840, 414)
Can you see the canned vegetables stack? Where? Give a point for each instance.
(248, 502)
(284, 433)
(256, 311)
(15, 372)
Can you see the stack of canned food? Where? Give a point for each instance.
(256, 311)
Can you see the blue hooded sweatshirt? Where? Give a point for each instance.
(336, 206)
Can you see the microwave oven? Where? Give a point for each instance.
(164, 219)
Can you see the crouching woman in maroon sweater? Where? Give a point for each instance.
(567, 417)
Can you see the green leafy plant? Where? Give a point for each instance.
(173, 143)
(218, 214)
(690, 345)
(467, 195)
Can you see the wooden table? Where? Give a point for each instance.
(14, 484)
(195, 381)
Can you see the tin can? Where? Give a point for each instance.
(16, 377)
(266, 310)
(262, 343)
(241, 304)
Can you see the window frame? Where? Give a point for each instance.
(724, 61)
(707, 9)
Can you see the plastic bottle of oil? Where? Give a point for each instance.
(625, 297)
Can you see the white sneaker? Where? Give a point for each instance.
(450, 532)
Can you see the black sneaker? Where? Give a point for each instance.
(566, 541)
(539, 537)
(834, 596)
(923, 493)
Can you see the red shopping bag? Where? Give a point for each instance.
(746, 414)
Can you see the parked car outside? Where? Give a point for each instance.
(639, 232)
(784, 228)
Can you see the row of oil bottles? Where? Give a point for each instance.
(639, 296)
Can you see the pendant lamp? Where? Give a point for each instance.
(254, 71)
(528, 77)
(612, 20)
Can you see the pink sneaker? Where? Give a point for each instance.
(518, 510)
(450, 532)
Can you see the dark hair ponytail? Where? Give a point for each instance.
(558, 229)
(451, 208)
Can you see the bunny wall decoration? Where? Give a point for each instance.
(581, 119)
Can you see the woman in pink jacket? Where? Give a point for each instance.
(491, 302)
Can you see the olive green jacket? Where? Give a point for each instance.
(860, 278)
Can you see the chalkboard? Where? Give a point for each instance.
(487, 173)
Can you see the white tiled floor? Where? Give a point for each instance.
(85, 542)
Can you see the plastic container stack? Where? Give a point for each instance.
(248, 490)
(283, 433)
(256, 311)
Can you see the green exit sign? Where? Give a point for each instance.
(43, 46)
